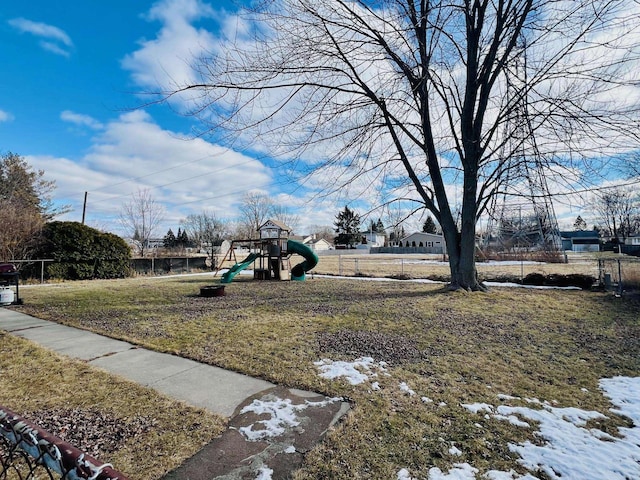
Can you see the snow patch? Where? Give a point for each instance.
(403, 474)
(282, 415)
(460, 471)
(264, 473)
(356, 372)
(570, 450)
(510, 475)
(455, 451)
(405, 388)
(477, 407)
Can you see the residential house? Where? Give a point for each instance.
(581, 241)
(317, 244)
(373, 239)
(422, 243)
(633, 240)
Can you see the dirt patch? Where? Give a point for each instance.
(393, 349)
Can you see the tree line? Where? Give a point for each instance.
(29, 230)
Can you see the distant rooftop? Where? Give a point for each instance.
(580, 234)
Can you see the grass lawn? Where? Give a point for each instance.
(452, 347)
(140, 432)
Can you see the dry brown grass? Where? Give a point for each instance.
(454, 347)
(433, 266)
(163, 432)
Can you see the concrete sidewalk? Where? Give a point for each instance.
(220, 391)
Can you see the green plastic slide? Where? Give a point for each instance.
(238, 267)
(310, 259)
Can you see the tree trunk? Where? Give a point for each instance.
(461, 250)
(461, 246)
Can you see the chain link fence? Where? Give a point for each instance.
(619, 274)
(606, 271)
(28, 452)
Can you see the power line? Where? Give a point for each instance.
(109, 199)
(151, 174)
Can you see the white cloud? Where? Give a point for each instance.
(186, 175)
(5, 116)
(54, 48)
(56, 38)
(81, 119)
(167, 60)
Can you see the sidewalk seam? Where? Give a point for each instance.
(178, 373)
(109, 354)
(26, 328)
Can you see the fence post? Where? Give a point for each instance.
(601, 271)
(357, 269)
(619, 278)
(339, 264)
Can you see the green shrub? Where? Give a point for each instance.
(80, 252)
(557, 280)
(534, 279)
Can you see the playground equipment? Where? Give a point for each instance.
(271, 255)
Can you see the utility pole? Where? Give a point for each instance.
(84, 207)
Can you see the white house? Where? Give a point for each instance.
(423, 240)
(374, 239)
(317, 244)
(632, 240)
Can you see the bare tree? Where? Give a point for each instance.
(426, 95)
(25, 206)
(325, 232)
(207, 231)
(618, 212)
(140, 217)
(255, 209)
(20, 235)
(285, 215)
(395, 219)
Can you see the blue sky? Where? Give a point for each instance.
(68, 105)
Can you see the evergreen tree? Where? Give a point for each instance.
(429, 226)
(347, 226)
(376, 227)
(183, 239)
(169, 240)
(579, 224)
